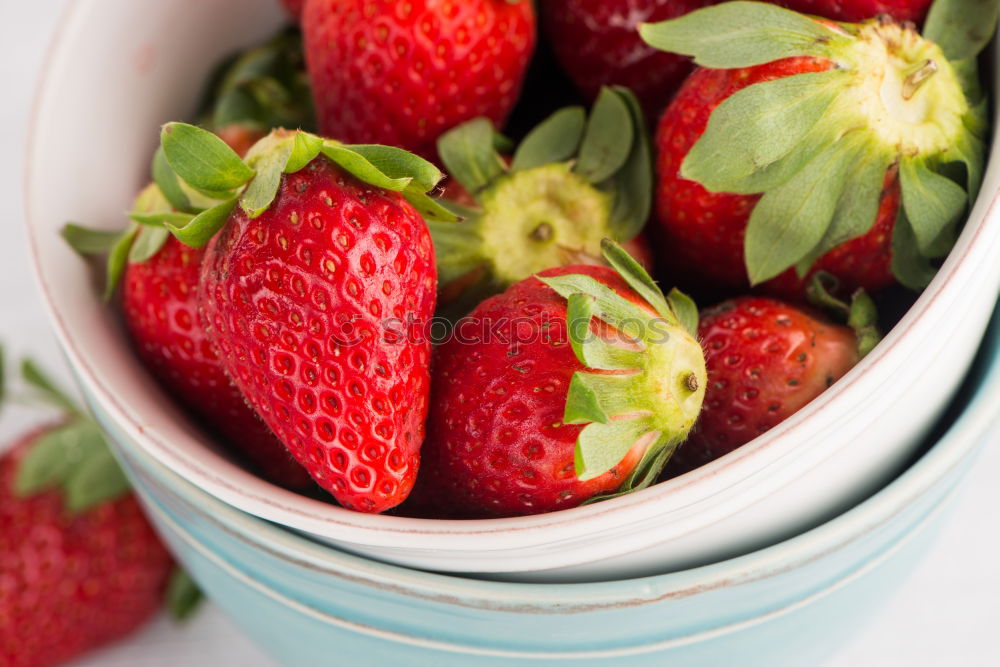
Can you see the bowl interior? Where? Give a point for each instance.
(156, 82)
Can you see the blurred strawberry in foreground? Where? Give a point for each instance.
(765, 360)
(597, 42)
(834, 148)
(587, 392)
(80, 565)
(321, 263)
(159, 279)
(402, 73)
(573, 181)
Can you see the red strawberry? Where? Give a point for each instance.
(159, 301)
(859, 10)
(159, 278)
(573, 181)
(80, 566)
(401, 73)
(765, 360)
(797, 164)
(308, 291)
(520, 424)
(597, 42)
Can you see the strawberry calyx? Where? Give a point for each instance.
(204, 162)
(648, 370)
(860, 314)
(264, 87)
(72, 457)
(818, 145)
(571, 182)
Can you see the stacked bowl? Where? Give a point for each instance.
(770, 552)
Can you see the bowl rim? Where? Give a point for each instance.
(246, 492)
(960, 442)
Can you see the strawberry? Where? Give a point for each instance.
(401, 73)
(913, 11)
(765, 360)
(321, 266)
(159, 277)
(801, 157)
(571, 182)
(80, 565)
(597, 43)
(573, 384)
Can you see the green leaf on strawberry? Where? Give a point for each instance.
(656, 389)
(573, 181)
(820, 146)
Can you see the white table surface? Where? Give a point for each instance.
(946, 614)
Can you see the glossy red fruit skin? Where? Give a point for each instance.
(597, 43)
(765, 360)
(310, 305)
(853, 11)
(160, 305)
(69, 584)
(496, 444)
(402, 73)
(703, 232)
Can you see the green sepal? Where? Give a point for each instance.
(607, 140)
(791, 219)
(203, 160)
(609, 306)
(431, 209)
(88, 241)
(118, 258)
(861, 314)
(555, 139)
(636, 277)
(932, 203)
(589, 348)
(595, 397)
(305, 148)
(461, 243)
(148, 242)
(600, 447)
(264, 87)
(632, 185)
(166, 180)
(204, 226)
(75, 459)
(685, 310)
(397, 163)
(469, 156)
(962, 28)
(647, 472)
(757, 126)
(359, 166)
(47, 390)
(183, 596)
(160, 218)
(270, 165)
(908, 266)
(740, 34)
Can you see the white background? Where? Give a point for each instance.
(948, 612)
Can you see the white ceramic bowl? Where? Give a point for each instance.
(118, 69)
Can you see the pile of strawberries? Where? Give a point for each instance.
(488, 342)
(357, 272)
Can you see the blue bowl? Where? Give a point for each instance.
(794, 602)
